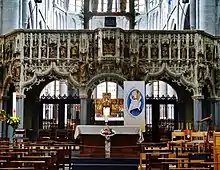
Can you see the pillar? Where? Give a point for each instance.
(197, 110)
(24, 13)
(86, 16)
(83, 107)
(193, 14)
(20, 109)
(10, 15)
(207, 16)
(215, 111)
(4, 124)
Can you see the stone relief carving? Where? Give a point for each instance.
(16, 71)
(154, 50)
(35, 50)
(63, 50)
(80, 56)
(183, 51)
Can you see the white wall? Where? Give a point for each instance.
(162, 16)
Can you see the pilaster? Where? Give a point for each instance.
(197, 110)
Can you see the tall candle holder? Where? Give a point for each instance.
(107, 132)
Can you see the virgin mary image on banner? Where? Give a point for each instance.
(135, 103)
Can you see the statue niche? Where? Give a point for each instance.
(16, 71)
(74, 50)
(109, 47)
(63, 50)
(154, 51)
(165, 50)
(209, 53)
(35, 50)
(82, 68)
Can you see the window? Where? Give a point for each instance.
(140, 5)
(112, 88)
(159, 89)
(103, 6)
(101, 88)
(75, 5)
(156, 88)
(107, 87)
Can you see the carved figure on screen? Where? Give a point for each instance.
(135, 103)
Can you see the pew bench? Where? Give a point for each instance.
(19, 168)
(199, 168)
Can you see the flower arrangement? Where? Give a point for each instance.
(13, 121)
(3, 116)
(107, 132)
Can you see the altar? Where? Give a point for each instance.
(123, 143)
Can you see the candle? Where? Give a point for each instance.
(14, 104)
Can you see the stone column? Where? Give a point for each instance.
(83, 107)
(24, 13)
(20, 109)
(10, 15)
(193, 14)
(215, 111)
(4, 124)
(197, 110)
(207, 16)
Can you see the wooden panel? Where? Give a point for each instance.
(216, 149)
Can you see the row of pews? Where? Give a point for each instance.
(186, 150)
(56, 134)
(48, 155)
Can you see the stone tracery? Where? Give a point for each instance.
(186, 57)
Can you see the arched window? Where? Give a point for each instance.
(140, 6)
(75, 5)
(157, 89)
(107, 87)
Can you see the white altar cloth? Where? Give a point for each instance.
(95, 130)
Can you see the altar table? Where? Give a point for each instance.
(123, 143)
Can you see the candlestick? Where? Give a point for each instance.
(14, 104)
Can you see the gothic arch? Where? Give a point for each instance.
(91, 85)
(211, 87)
(165, 74)
(52, 73)
(6, 84)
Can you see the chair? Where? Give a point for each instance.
(198, 139)
(178, 140)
